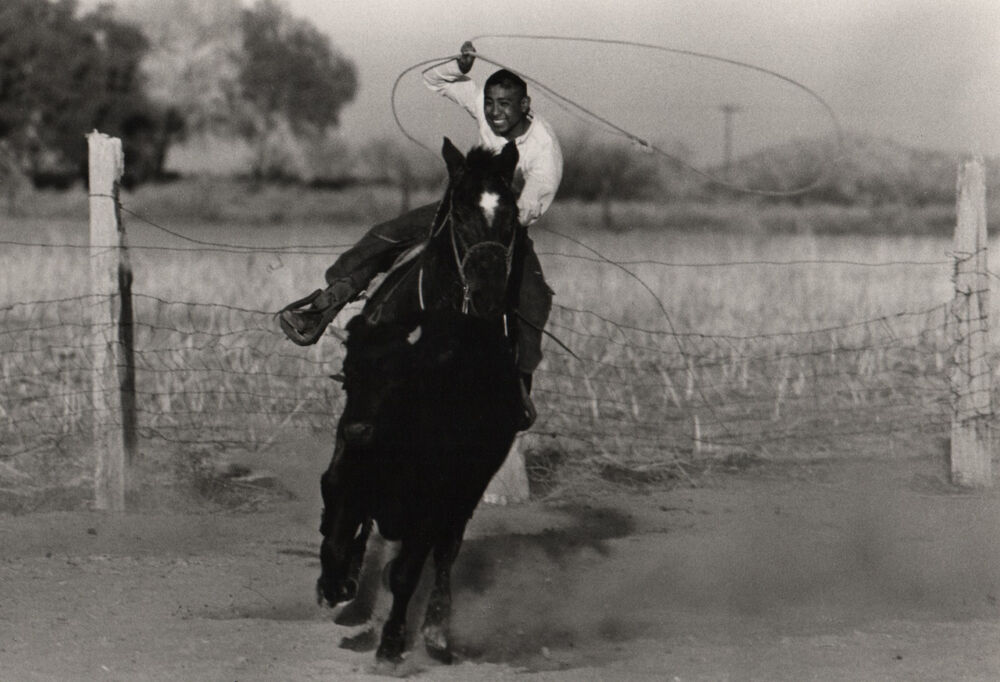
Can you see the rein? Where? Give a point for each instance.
(447, 218)
(461, 261)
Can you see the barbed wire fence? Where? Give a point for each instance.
(627, 405)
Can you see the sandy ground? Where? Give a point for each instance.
(832, 571)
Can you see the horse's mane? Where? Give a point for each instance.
(479, 157)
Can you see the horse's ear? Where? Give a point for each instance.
(453, 158)
(506, 161)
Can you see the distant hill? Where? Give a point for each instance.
(866, 170)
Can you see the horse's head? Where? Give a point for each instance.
(483, 223)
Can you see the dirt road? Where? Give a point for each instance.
(858, 570)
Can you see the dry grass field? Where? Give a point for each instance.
(746, 341)
(744, 483)
(727, 244)
(727, 331)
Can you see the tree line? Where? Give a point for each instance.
(153, 71)
(856, 169)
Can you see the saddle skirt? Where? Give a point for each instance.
(378, 292)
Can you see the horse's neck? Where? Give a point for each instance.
(440, 285)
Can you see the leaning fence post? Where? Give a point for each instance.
(971, 378)
(113, 389)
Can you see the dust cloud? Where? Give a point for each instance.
(774, 559)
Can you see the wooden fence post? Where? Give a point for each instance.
(113, 390)
(971, 378)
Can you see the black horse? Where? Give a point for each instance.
(433, 400)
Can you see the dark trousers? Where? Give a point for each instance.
(378, 249)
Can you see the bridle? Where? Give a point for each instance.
(447, 218)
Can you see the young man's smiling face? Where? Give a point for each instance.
(506, 110)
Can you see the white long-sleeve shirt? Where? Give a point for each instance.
(540, 161)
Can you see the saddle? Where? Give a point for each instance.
(392, 282)
(304, 321)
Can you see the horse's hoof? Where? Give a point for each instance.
(390, 649)
(389, 655)
(333, 597)
(389, 668)
(437, 645)
(354, 613)
(440, 655)
(363, 641)
(361, 608)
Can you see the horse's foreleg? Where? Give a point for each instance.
(345, 531)
(340, 555)
(368, 607)
(437, 620)
(362, 609)
(404, 574)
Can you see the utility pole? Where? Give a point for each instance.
(728, 112)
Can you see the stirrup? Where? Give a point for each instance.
(303, 325)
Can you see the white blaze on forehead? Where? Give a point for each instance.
(488, 202)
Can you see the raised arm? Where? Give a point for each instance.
(450, 79)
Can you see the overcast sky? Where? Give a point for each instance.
(923, 72)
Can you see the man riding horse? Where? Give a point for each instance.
(503, 113)
(432, 405)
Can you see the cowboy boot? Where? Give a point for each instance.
(305, 320)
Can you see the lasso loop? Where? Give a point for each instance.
(574, 108)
